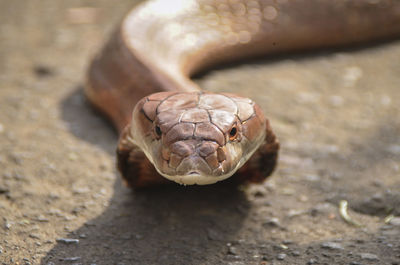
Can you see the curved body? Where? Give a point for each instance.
(160, 44)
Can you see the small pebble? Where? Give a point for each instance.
(4, 190)
(72, 156)
(70, 259)
(36, 236)
(274, 222)
(281, 256)
(311, 261)
(80, 190)
(213, 234)
(1, 128)
(42, 71)
(312, 178)
(293, 213)
(232, 250)
(68, 240)
(296, 253)
(395, 221)
(332, 245)
(283, 246)
(41, 218)
(352, 75)
(54, 196)
(369, 256)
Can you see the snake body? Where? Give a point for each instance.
(170, 128)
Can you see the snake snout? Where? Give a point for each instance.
(196, 157)
(193, 164)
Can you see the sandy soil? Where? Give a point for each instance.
(62, 202)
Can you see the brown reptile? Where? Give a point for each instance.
(170, 128)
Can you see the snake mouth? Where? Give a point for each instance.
(196, 178)
(194, 170)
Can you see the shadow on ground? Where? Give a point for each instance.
(169, 225)
(85, 123)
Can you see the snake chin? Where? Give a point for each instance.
(195, 178)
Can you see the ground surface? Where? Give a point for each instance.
(336, 114)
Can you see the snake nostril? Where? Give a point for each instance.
(207, 148)
(183, 148)
(175, 160)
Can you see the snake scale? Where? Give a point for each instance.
(172, 130)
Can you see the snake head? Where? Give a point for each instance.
(197, 137)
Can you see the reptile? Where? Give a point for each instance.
(172, 130)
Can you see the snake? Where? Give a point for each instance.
(170, 129)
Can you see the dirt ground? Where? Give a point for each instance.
(336, 113)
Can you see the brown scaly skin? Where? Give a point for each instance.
(137, 170)
(157, 48)
(262, 163)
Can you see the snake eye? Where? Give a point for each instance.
(233, 133)
(157, 130)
